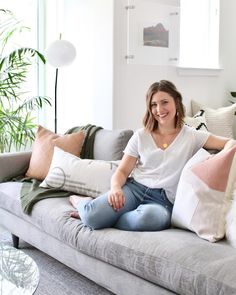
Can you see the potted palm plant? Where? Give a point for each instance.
(17, 122)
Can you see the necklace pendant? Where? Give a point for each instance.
(165, 145)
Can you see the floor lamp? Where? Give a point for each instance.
(60, 53)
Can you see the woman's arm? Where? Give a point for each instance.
(218, 142)
(116, 198)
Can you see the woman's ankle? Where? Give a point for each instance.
(75, 199)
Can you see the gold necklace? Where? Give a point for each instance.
(165, 144)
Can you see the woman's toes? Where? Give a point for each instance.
(74, 214)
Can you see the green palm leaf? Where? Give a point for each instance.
(17, 123)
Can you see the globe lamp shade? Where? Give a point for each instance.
(60, 53)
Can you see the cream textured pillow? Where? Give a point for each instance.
(82, 176)
(43, 150)
(219, 121)
(231, 215)
(204, 192)
(198, 121)
(231, 222)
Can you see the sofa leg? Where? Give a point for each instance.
(15, 241)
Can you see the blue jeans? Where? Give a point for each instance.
(145, 209)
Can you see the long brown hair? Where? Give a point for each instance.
(149, 122)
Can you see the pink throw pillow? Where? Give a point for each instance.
(204, 194)
(43, 148)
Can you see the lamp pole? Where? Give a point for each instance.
(55, 94)
(59, 53)
(55, 107)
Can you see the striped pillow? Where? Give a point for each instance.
(81, 176)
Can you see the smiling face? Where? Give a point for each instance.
(163, 108)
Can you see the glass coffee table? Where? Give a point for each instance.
(19, 273)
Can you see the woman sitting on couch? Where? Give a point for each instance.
(144, 185)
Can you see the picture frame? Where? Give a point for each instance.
(152, 33)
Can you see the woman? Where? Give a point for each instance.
(144, 185)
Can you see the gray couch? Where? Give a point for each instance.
(167, 262)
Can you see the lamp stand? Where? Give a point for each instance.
(55, 109)
(59, 53)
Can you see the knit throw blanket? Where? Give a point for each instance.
(31, 192)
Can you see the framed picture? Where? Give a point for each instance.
(152, 33)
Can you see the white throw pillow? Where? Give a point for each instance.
(204, 193)
(82, 176)
(219, 121)
(185, 199)
(231, 222)
(231, 215)
(198, 121)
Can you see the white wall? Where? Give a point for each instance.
(131, 81)
(85, 86)
(101, 88)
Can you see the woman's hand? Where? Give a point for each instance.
(116, 199)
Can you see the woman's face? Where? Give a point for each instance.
(163, 108)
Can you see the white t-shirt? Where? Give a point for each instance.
(157, 168)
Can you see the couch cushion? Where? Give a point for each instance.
(109, 144)
(175, 259)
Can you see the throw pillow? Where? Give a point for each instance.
(43, 150)
(116, 141)
(231, 215)
(219, 121)
(198, 121)
(82, 176)
(204, 192)
(231, 222)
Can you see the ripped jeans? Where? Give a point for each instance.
(145, 209)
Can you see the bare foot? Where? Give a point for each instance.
(74, 214)
(74, 200)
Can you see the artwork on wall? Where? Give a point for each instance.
(152, 33)
(156, 36)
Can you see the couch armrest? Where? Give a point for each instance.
(13, 164)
